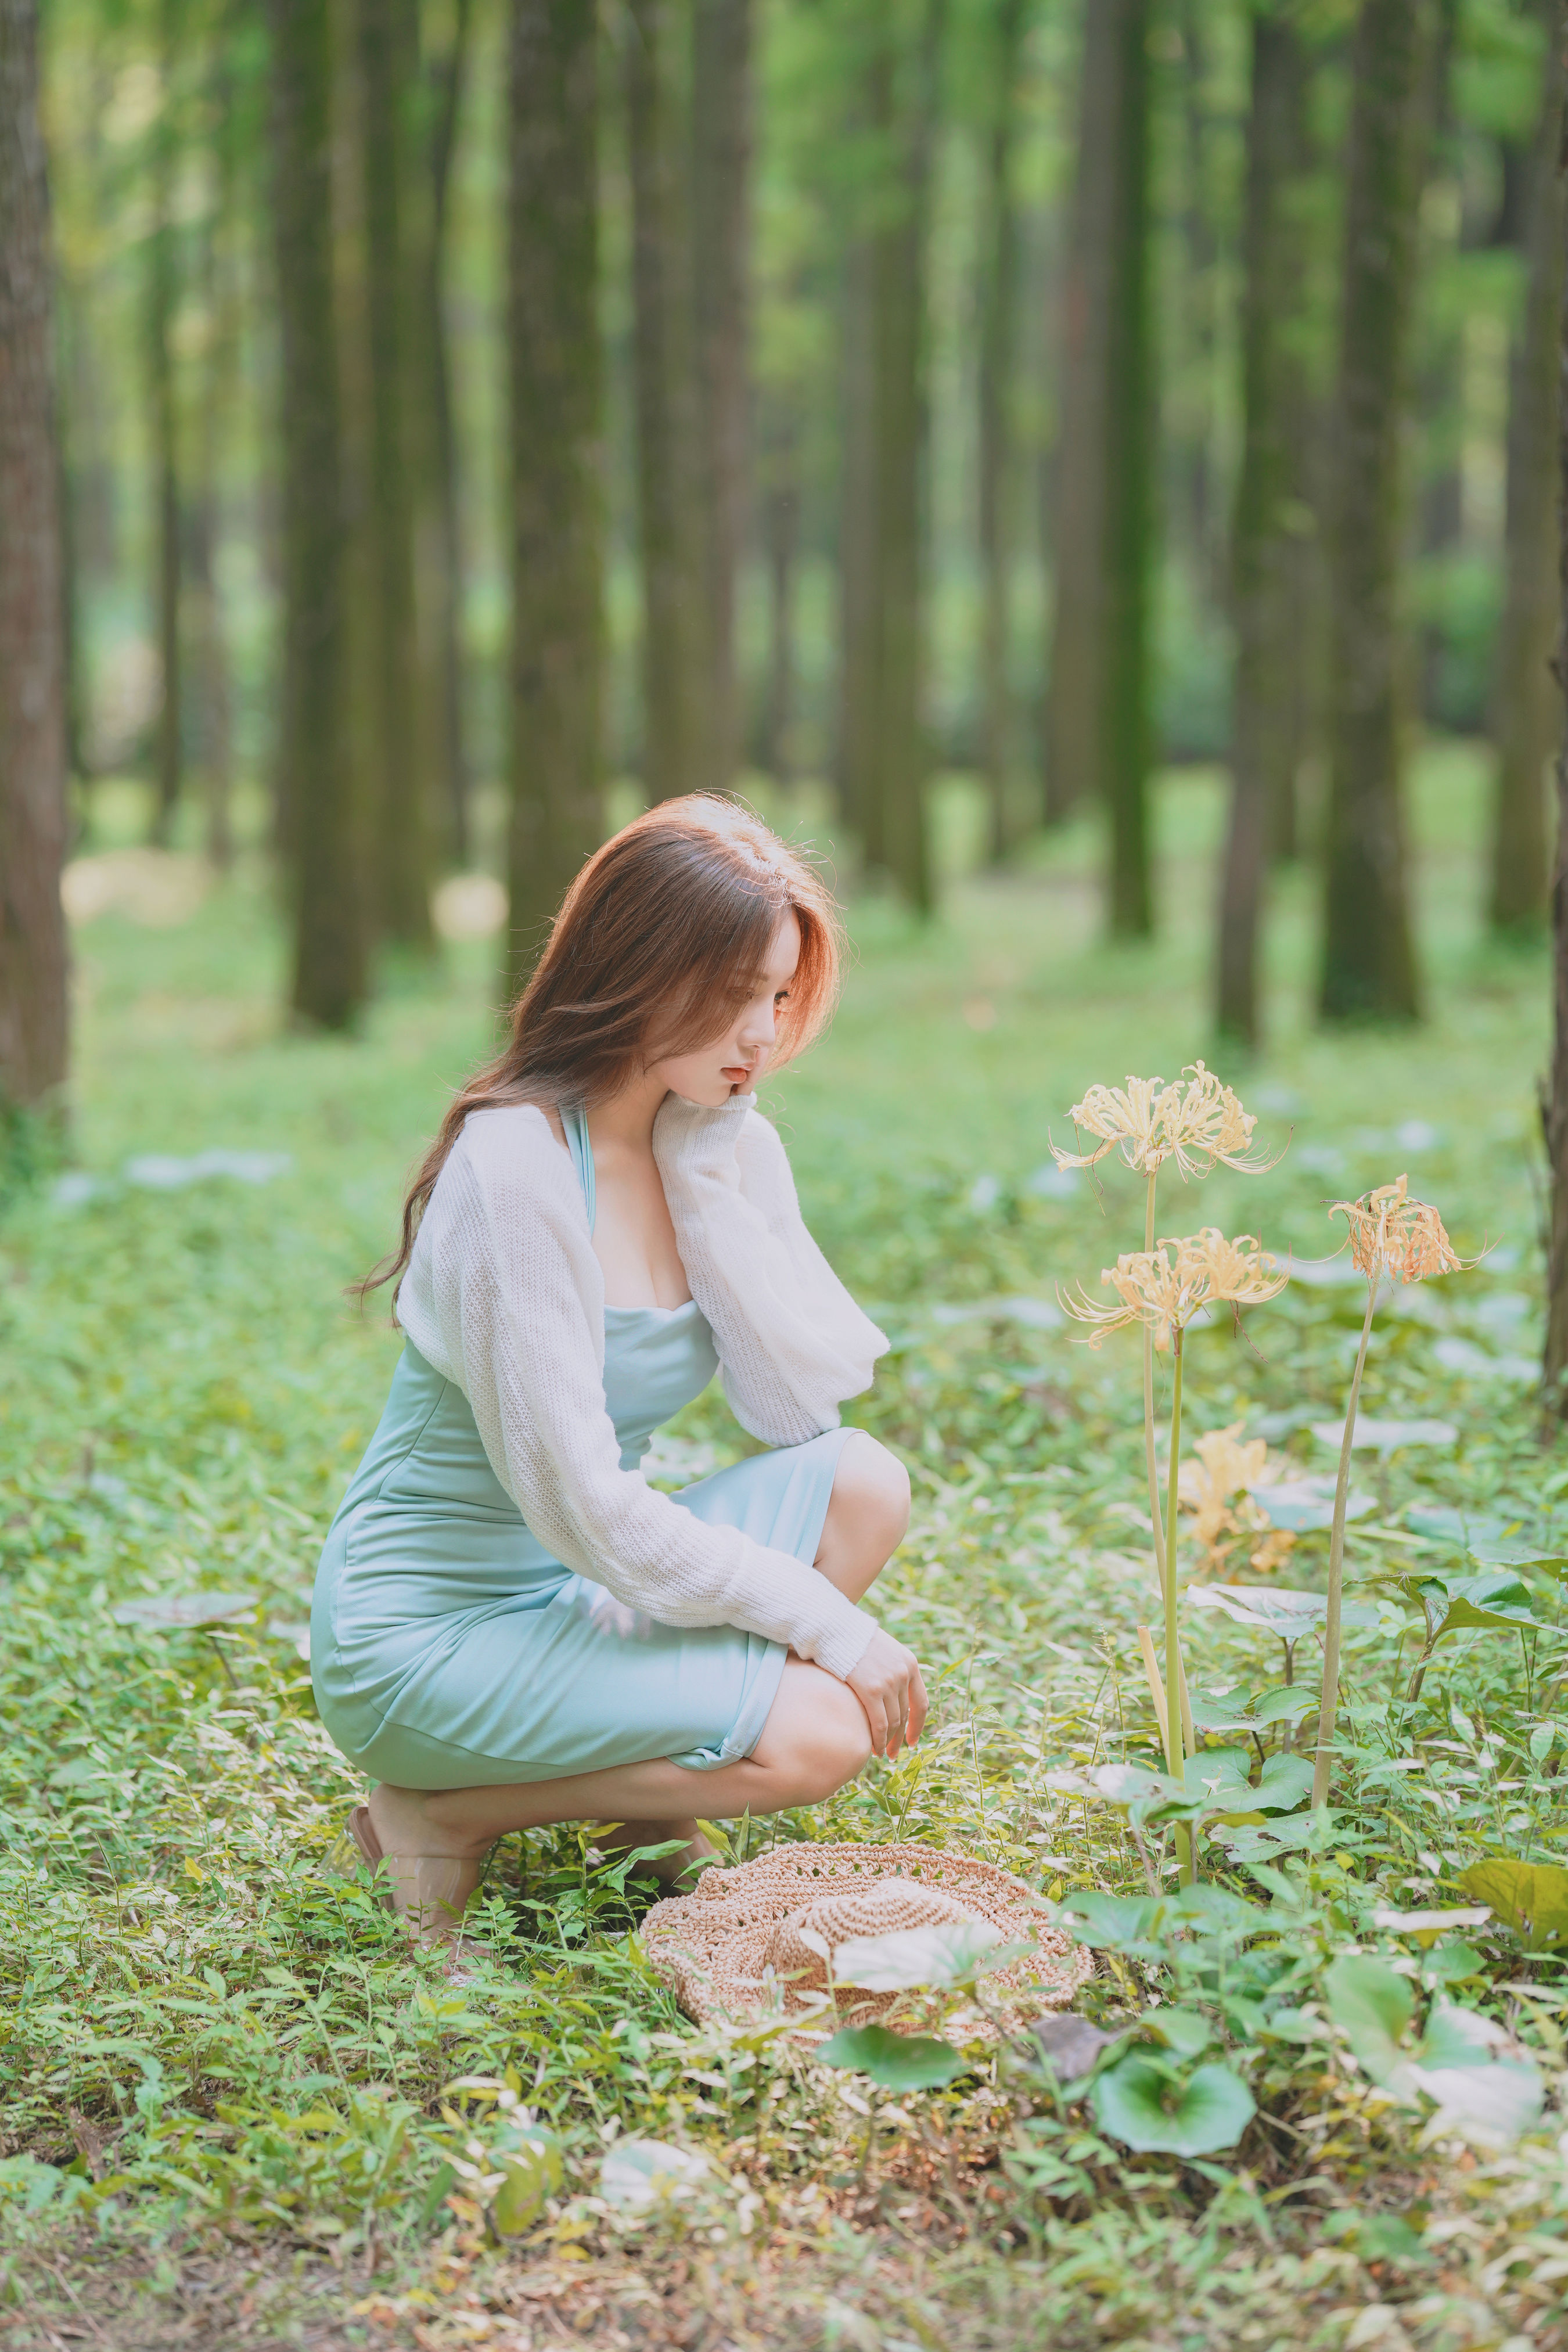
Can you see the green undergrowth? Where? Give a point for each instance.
(206, 2027)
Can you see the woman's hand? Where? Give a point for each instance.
(887, 1682)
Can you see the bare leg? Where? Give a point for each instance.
(868, 1516)
(815, 1739)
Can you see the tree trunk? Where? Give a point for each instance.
(32, 1006)
(214, 695)
(886, 696)
(440, 571)
(557, 534)
(1369, 959)
(1524, 722)
(1554, 1107)
(1202, 519)
(720, 222)
(316, 788)
(674, 633)
(1078, 466)
(859, 610)
(1124, 727)
(161, 296)
(998, 322)
(1263, 551)
(400, 829)
(781, 536)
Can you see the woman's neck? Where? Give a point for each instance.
(627, 1118)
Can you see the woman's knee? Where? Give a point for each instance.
(872, 1489)
(823, 1741)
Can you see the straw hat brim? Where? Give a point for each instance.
(717, 1947)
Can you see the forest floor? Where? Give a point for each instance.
(235, 2109)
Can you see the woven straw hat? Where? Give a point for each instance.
(735, 1947)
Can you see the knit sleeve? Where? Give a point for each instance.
(504, 1296)
(793, 1344)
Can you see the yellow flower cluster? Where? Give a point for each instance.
(1196, 1124)
(1164, 1287)
(1393, 1234)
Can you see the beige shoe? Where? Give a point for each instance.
(429, 1892)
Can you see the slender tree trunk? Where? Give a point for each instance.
(720, 222)
(998, 337)
(162, 295)
(316, 788)
(32, 1007)
(903, 106)
(440, 540)
(674, 655)
(1199, 306)
(1554, 1107)
(1263, 547)
(400, 828)
(860, 616)
(781, 534)
(220, 378)
(1078, 468)
(1524, 722)
(1369, 957)
(1124, 730)
(557, 533)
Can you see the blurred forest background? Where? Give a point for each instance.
(472, 417)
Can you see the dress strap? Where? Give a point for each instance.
(574, 1120)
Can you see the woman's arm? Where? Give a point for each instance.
(792, 1341)
(505, 1298)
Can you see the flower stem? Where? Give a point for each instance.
(1149, 1397)
(1175, 1751)
(1328, 1707)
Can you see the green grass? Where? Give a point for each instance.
(210, 2043)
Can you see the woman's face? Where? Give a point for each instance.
(738, 1055)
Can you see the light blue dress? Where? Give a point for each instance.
(449, 1650)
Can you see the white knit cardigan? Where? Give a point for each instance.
(504, 1296)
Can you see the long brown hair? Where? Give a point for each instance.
(669, 924)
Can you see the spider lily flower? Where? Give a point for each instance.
(1391, 1235)
(1196, 1124)
(1164, 1287)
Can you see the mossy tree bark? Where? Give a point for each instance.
(1076, 549)
(552, 332)
(163, 294)
(1124, 729)
(316, 789)
(675, 605)
(996, 486)
(720, 223)
(1525, 705)
(32, 1002)
(400, 828)
(1265, 541)
(1369, 959)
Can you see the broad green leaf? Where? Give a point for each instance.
(1516, 1552)
(1286, 1704)
(532, 2174)
(1373, 2007)
(1141, 2103)
(1184, 2030)
(1531, 1897)
(1111, 1923)
(1495, 1600)
(1503, 2098)
(899, 2062)
(1284, 1781)
(949, 1954)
